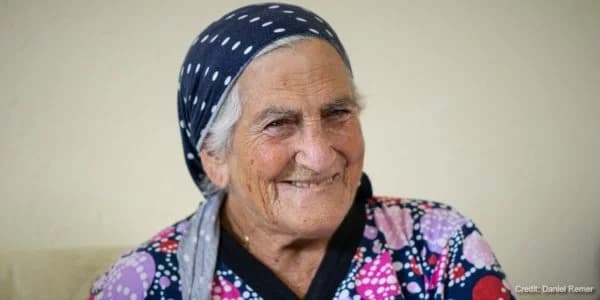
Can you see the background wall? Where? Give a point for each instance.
(489, 106)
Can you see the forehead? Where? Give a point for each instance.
(307, 72)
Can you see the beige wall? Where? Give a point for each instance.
(489, 106)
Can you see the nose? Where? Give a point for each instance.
(315, 149)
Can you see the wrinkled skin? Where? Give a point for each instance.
(296, 157)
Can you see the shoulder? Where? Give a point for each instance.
(422, 212)
(148, 271)
(404, 221)
(433, 240)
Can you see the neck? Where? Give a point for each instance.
(292, 258)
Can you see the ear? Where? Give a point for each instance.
(216, 168)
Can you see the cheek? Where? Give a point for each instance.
(271, 158)
(265, 162)
(349, 141)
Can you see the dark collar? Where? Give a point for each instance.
(332, 270)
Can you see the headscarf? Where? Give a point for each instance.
(216, 58)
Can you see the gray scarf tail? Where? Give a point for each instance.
(197, 254)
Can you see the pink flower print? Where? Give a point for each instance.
(377, 280)
(432, 282)
(396, 224)
(224, 290)
(164, 234)
(477, 251)
(376, 247)
(438, 225)
(370, 232)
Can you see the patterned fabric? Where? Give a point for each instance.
(410, 249)
(221, 52)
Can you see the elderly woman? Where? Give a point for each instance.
(269, 119)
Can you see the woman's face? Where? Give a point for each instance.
(297, 150)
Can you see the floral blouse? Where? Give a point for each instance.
(386, 248)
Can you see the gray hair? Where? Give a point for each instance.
(219, 136)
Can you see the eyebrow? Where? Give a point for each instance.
(340, 104)
(275, 112)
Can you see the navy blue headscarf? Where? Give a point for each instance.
(219, 55)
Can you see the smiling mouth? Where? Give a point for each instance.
(306, 184)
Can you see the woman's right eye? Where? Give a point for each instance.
(276, 123)
(280, 127)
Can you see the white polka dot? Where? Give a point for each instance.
(214, 38)
(300, 19)
(215, 75)
(202, 106)
(265, 24)
(133, 297)
(189, 134)
(288, 11)
(313, 31)
(126, 291)
(225, 41)
(190, 156)
(212, 110)
(235, 45)
(204, 39)
(248, 50)
(254, 19)
(331, 35)
(278, 30)
(318, 19)
(197, 68)
(273, 6)
(242, 17)
(195, 100)
(206, 71)
(182, 124)
(229, 17)
(189, 67)
(227, 80)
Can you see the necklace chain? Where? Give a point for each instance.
(245, 238)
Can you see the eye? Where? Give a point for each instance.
(339, 113)
(277, 123)
(280, 125)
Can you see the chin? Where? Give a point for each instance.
(320, 219)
